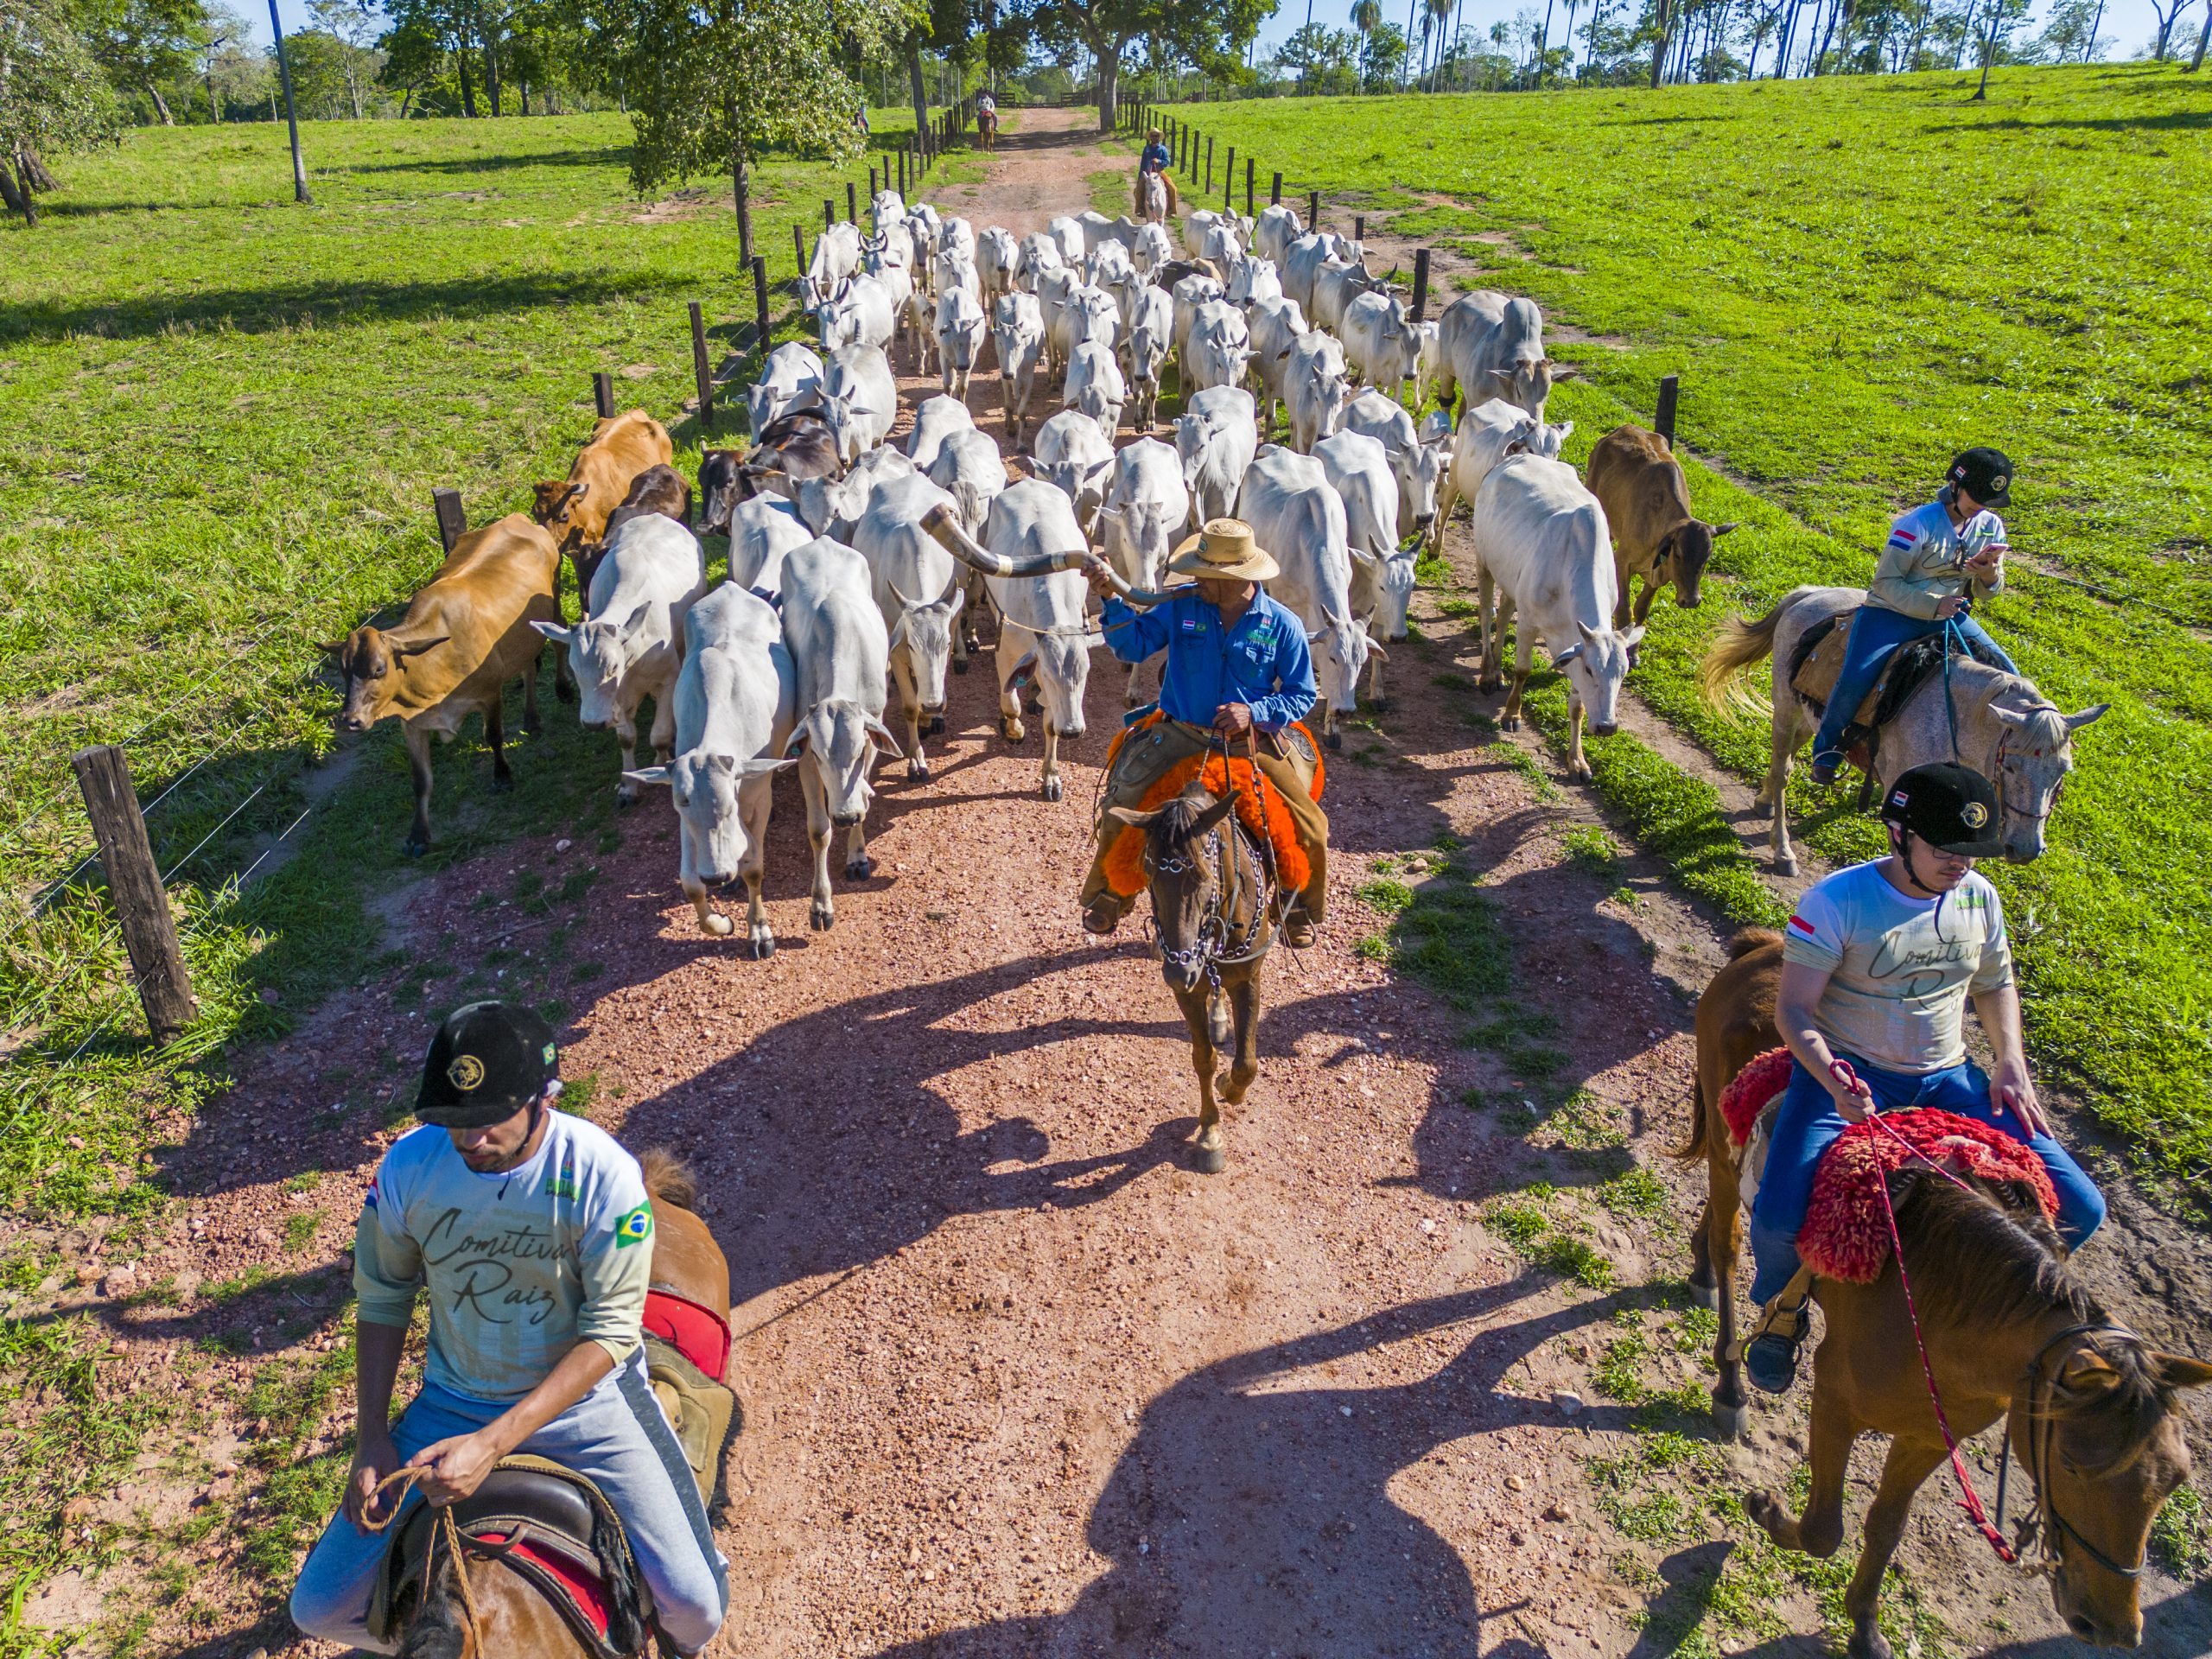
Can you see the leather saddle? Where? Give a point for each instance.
(1818, 660)
(549, 1525)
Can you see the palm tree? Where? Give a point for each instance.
(1439, 15)
(1366, 17)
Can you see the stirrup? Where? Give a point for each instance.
(1826, 766)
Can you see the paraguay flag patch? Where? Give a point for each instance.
(1798, 924)
(635, 1228)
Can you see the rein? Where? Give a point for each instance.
(1213, 949)
(445, 1528)
(2040, 1448)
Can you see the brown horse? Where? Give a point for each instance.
(2010, 1333)
(1210, 907)
(510, 1618)
(986, 129)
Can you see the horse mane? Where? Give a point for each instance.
(1750, 939)
(1177, 816)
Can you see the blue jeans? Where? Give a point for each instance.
(616, 1437)
(1875, 637)
(1808, 1122)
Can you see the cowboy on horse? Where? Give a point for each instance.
(532, 1232)
(986, 119)
(1238, 675)
(1877, 963)
(1155, 172)
(1938, 557)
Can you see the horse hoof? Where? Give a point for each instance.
(1707, 1296)
(1210, 1160)
(1729, 1422)
(1766, 1512)
(1867, 1644)
(820, 918)
(1333, 742)
(763, 945)
(1785, 867)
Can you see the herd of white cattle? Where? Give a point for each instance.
(836, 592)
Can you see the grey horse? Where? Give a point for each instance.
(2004, 729)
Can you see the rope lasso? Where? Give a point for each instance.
(446, 1527)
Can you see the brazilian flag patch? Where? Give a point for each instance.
(635, 1228)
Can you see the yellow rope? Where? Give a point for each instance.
(405, 1479)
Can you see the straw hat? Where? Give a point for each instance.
(1224, 550)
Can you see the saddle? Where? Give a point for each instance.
(1272, 827)
(1818, 659)
(687, 1354)
(1847, 1234)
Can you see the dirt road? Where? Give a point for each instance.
(1016, 1381)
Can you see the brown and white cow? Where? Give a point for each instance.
(1636, 479)
(576, 509)
(466, 633)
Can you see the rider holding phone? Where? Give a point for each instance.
(1878, 964)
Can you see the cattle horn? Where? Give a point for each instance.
(948, 533)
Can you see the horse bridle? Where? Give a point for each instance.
(2043, 1438)
(1997, 765)
(1212, 949)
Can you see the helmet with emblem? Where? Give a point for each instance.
(487, 1061)
(1951, 807)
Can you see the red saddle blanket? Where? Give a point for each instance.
(1125, 875)
(1846, 1235)
(576, 1594)
(693, 1329)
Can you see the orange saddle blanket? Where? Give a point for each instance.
(1125, 875)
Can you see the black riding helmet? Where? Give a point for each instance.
(487, 1061)
(1951, 807)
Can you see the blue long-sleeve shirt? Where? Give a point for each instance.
(1262, 661)
(1155, 159)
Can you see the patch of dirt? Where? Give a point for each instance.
(688, 203)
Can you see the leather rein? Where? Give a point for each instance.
(2043, 1438)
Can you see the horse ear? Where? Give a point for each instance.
(2088, 716)
(1209, 820)
(1131, 816)
(2180, 1371)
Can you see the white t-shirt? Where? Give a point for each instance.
(1900, 968)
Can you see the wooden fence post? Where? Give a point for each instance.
(1662, 422)
(829, 213)
(702, 374)
(452, 522)
(1247, 186)
(602, 394)
(134, 881)
(798, 250)
(761, 301)
(871, 186)
(1359, 227)
(1313, 210)
(852, 208)
(902, 172)
(1209, 166)
(1420, 283)
(1274, 191)
(1229, 182)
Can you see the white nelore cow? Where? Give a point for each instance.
(1488, 434)
(922, 226)
(1088, 313)
(955, 268)
(1216, 438)
(859, 314)
(836, 256)
(1150, 249)
(734, 703)
(1335, 286)
(970, 470)
(1041, 625)
(1381, 346)
(1095, 385)
(890, 260)
(1018, 331)
(762, 530)
(1039, 253)
(860, 399)
(1430, 362)
(1276, 229)
(840, 653)
(1067, 236)
(1190, 293)
(998, 261)
(1148, 504)
(1417, 463)
(1219, 349)
(1074, 454)
(1277, 325)
(961, 327)
(919, 588)
(1315, 387)
(956, 235)
(1253, 281)
(791, 378)
(1358, 469)
(1296, 515)
(937, 419)
(1540, 540)
(1106, 264)
(629, 645)
(1493, 347)
(1150, 331)
(1303, 259)
(1098, 230)
(887, 212)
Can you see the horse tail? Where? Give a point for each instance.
(1745, 941)
(669, 1178)
(1693, 1149)
(1741, 644)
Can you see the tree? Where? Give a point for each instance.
(2070, 34)
(353, 26)
(54, 98)
(1209, 35)
(224, 30)
(292, 111)
(1382, 58)
(143, 44)
(2168, 13)
(1319, 56)
(2003, 13)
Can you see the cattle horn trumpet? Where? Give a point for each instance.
(945, 529)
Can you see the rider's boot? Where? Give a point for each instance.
(1101, 916)
(1297, 929)
(1826, 766)
(1770, 1349)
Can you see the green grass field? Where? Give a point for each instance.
(1856, 278)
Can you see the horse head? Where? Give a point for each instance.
(2035, 751)
(1185, 879)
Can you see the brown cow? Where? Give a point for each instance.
(1636, 479)
(467, 633)
(577, 508)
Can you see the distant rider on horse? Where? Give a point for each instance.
(1877, 963)
(1237, 671)
(987, 119)
(1936, 556)
(532, 1232)
(1156, 157)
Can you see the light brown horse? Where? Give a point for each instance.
(510, 1619)
(986, 129)
(2010, 1332)
(1210, 907)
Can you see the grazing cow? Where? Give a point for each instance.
(1088, 313)
(1418, 465)
(574, 509)
(961, 327)
(1095, 385)
(791, 378)
(466, 633)
(1148, 504)
(836, 258)
(1335, 286)
(887, 212)
(998, 261)
(1358, 470)
(1039, 253)
(630, 642)
(1150, 249)
(1303, 259)
(1297, 517)
(1381, 346)
(1488, 434)
(1253, 281)
(1276, 229)
(1635, 476)
(970, 470)
(1493, 347)
(1041, 623)
(1277, 325)
(840, 654)
(1190, 293)
(860, 314)
(1067, 236)
(1216, 438)
(659, 489)
(1144, 350)
(1074, 456)
(919, 588)
(860, 399)
(1018, 332)
(762, 530)
(1315, 387)
(1219, 349)
(1539, 541)
(934, 422)
(734, 700)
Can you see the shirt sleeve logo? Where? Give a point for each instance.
(635, 1228)
(465, 1073)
